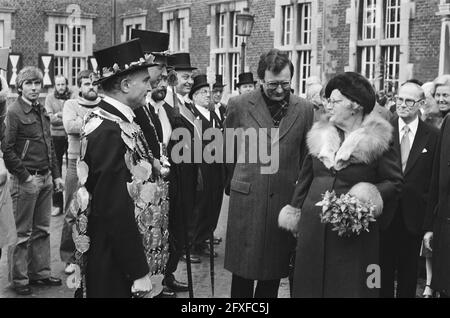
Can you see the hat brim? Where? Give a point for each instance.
(243, 83)
(183, 68)
(130, 70)
(196, 88)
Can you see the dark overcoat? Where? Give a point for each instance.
(438, 211)
(116, 255)
(326, 264)
(256, 248)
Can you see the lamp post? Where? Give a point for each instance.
(244, 28)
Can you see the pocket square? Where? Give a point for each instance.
(424, 150)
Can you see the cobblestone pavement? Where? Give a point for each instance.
(201, 272)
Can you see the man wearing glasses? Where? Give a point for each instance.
(256, 248)
(416, 142)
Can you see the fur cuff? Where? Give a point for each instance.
(368, 192)
(288, 218)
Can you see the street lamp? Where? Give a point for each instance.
(244, 28)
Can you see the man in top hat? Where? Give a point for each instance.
(217, 94)
(246, 83)
(153, 118)
(184, 176)
(208, 200)
(119, 168)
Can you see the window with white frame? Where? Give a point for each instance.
(368, 62)
(391, 67)
(2, 34)
(305, 23)
(221, 30)
(379, 45)
(296, 39)
(369, 19)
(177, 32)
(287, 24)
(304, 68)
(129, 27)
(132, 20)
(234, 69)
(70, 51)
(226, 47)
(392, 17)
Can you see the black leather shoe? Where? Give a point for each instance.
(166, 293)
(51, 281)
(175, 285)
(195, 259)
(22, 290)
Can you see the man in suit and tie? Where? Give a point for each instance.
(416, 143)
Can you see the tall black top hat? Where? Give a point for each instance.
(199, 82)
(155, 43)
(219, 82)
(246, 78)
(180, 62)
(120, 60)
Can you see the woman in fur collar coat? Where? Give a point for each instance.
(349, 152)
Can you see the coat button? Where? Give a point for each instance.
(271, 195)
(448, 163)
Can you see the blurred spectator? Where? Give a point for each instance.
(54, 106)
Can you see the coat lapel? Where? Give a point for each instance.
(260, 112)
(420, 141)
(291, 116)
(112, 110)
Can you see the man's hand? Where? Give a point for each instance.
(59, 185)
(427, 238)
(141, 287)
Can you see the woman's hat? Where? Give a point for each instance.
(355, 87)
(180, 62)
(121, 59)
(246, 78)
(199, 82)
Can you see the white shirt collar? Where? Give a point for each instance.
(413, 126)
(156, 105)
(205, 112)
(121, 107)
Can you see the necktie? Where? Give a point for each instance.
(405, 146)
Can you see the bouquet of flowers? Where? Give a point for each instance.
(347, 215)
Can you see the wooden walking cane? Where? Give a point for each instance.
(172, 80)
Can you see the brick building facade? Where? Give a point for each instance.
(389, 41)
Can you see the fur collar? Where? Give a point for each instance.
(364, 145)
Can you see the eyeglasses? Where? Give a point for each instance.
(204, 92)
(274, 85)
(408, 102)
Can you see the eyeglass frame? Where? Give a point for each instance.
(406, 100)
(284, 84)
